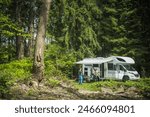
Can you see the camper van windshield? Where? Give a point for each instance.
(129, 67)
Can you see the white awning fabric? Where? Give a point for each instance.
(112, 59)
(93, 61)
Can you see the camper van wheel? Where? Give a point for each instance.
(125, 78)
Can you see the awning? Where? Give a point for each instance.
(112, 59)
(98, 60)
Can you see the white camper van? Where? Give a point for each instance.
(114, 67)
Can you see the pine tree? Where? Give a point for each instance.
(74, 26)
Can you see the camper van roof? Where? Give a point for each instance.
(123, 60)
(114, 59)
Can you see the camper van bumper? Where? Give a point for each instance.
(133, 77)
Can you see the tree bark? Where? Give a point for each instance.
(38, 64)
(30, 41)
(19, 39)
(20, 47)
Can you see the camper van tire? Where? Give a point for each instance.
(125, 78)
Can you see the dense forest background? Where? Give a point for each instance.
(76, 29)
(71, 30)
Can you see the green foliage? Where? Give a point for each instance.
(72, 26)
(50, 68)
(7, 27)
(86, 86)
(101, 28)
(5, 2)
(96, 86)
(110, 10)
(14, 22)
(58, 61)
(53, 82)
(142, 85)
(14, 72)
(16, 69)
(77, 29)
(32, 92)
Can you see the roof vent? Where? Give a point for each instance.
(120, 59)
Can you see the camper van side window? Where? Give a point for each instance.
(95, 65)
(114, 67)
(110, 66)
(85, 68)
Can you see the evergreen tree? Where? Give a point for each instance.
(86, 28)
(73, 27)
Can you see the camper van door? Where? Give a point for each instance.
(121, 72)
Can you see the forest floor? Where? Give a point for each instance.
(71, 90)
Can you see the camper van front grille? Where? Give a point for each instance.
(136, 75)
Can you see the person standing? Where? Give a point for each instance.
(80, 76)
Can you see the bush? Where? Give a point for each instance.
(59, 60)
(50, 69)
(53, 82)
(16, 71)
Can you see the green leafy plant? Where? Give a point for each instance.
(13, 72)
(53, 82)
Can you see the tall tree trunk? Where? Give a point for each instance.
(38, 64)
(29, 45)
(19, 39)
(20, 47)
(9, 50)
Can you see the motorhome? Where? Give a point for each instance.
(114, 67)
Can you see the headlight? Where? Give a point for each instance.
(132, 75)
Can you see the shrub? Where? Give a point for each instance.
(59, 60)
(53, 82)
(15, 71)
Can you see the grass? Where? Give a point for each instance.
(143, 84)
(53, 82)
